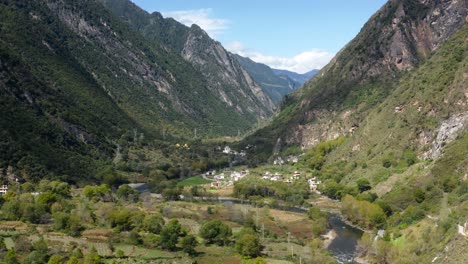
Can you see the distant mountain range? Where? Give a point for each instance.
(275, 83)
(296, 77)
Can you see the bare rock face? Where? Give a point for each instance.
(134, 64)
(448, 132)
(225, 75)
(219, 72)
(409, 31)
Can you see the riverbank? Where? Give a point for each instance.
(341, 240)
(334, 207)
(329, 237)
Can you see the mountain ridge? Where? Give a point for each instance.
(99, 82)
(203, 53)
(300, 78)
(274, 85)
(362, 74)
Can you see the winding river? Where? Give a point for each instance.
(343, 246)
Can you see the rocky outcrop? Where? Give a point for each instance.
(222, 74)
(448, 132)
(225, 75)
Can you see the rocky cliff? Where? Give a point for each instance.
(224, 76)
(401, 35)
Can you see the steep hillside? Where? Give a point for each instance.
(76, 80)
(384, 127)
(276, 86)
(224, 76)
(294, 76)
(337, 100)
(55, 116)
(413, 150)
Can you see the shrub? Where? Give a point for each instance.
(216, 232)
(248, 245)
(152, 241)
(188, 244)
(170, 234)
(419, 195)
(363, 184)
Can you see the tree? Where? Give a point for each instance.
(68, 223)
(127, 193)
(134, 238)
(92, 257)
(216, 232)
(188, 244)
(35, 257)
(73, 260)
(248, 245)
(365, 243)
(363, 184)
(333, 189)
(96, 193)
(121, 219)
(152, 240)
(3, 247)
(362, 212)
(119, 253)
(10, 257)
(153, 223)
(41, 250)
(170, 234)
(314, 213)
(55, 259)
(23, 244)
(419, 195)
(111, 177)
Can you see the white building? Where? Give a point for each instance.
(313, 184)
(227, 150)
(278, 161)
(3, 189)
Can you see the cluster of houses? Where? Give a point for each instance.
(289, 159)
(227, 177)
(313, 184)
(228, 150)
(279, 177)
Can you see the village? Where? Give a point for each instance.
(227, 177)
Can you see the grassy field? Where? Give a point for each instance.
(192, 181)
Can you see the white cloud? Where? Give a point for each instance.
(201, 17)
(301, 63)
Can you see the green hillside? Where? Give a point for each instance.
(385, 131)
(76, 81)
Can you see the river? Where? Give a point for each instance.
(343, 246)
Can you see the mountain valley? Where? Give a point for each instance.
(129, 137)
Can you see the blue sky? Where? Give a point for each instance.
(297, 35)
